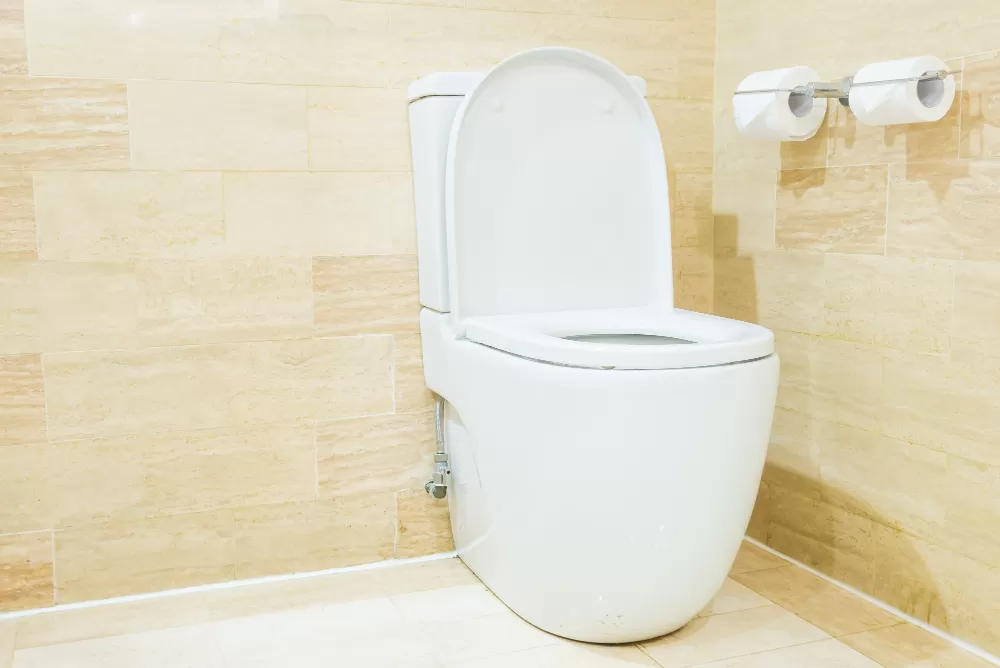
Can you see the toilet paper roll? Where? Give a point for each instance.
(904, 101)
(779, 115)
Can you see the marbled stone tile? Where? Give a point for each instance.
(217, 126)
(944, 210)
(981, 107)
(22, 400)
(411, 390)
(26, 571)
(329, 214)
(838, 210)
(13, 59)
(693, 276)
(905, 646)
(384, 453)
(314, 535)
(358, 130)
(48, 123)
(18, 239)
(424, 525)
(86, 216)
(150, 390)
(26, 498)
(364, 295)
(691, 219)
(118, 558)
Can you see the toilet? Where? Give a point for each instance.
(605, 448)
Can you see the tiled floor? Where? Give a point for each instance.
(769, 614)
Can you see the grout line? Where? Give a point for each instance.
(232, 584)
(958, 642)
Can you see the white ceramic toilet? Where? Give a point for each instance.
(605, 447)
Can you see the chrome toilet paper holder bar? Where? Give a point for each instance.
(841, 89)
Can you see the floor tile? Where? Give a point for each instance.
(369, 633)
(753, 558)
(446, 605)
(817, 601)
(734, 634)
(480, 637)
(906, 646)
(7, 629)
(190, 647)
(733, 597)
(823, 654)
(565, 655)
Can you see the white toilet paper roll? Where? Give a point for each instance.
(902, 102)
(778, 116)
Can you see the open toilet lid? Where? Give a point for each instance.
(556, 192)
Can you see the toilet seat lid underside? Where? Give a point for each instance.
(556, 192)
(630, 338)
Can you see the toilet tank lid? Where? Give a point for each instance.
(459, 83)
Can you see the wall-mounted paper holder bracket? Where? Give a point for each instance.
(842, 89)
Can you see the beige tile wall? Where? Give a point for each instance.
(874, 254)
(209, 351)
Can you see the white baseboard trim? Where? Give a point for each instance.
(958, 642)
(231, 584)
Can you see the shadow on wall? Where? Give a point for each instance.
(808, 520)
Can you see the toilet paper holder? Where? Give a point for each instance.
(842, 89)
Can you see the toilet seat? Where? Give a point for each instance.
(626, 338)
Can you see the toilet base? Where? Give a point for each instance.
(602, 506)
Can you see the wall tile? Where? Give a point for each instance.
(830, 380)
(905, 645)
(686, 131)
(793, 454)
(691, 222)
(675, 57)
(132, 477)
(356, 295)
(26, 571)
(780, 290)
(358, 130)
(411, 390)
(854, 143)
(744, 207)
(66, 306)
(808, 154)
(115, 559)
(693, 279)
(157, 389)
(315, 535)
(817, 601)
(977, 307)
(943, 405)
(854, 466)
(823, 536)
(981, 107)
(319, 214)
(316, 42)
(128, 215)
(424, 525)
(22, 400)
(122, 39)
(384, 453)
(760, 517)
(18, 239)
(944, 210)
(8, 628)
(25, 488)
(840, 210)
(221, 300)
(191, 125)
(950, 591)
(13, 59)
(48, 123)
(892, 302)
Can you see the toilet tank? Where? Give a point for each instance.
(434, 101)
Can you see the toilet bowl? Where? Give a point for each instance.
(605, 447)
